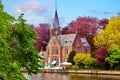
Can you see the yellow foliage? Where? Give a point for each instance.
(83, 58)
(110, 37)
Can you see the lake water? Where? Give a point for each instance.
(57, 76)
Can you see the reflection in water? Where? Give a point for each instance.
(56, 76)
(94, 77)
(48, 76)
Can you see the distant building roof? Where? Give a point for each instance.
(99, 30)
(42, 54)
(51, 27)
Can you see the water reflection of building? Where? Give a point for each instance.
(59, 45)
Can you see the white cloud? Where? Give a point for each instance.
(35, 7)
(48, 18)
(35, 11)
(31, 18)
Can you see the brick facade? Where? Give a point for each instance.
(56, 51)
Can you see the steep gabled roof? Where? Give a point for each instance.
(51, 39)
(66, 40)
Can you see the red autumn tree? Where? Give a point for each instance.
(86, 27)
(42, 37)
(65, 30)
(100, 56)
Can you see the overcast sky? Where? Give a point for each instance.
(42, 11)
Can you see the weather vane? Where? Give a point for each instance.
(56, 4)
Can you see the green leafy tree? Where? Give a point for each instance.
(16, 47)
(84, 60)
(114, 58)
(71, 56)
(22, 43)
(5, 56)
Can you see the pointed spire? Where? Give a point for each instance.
(56, 19)
(55, 28)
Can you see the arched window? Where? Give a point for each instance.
(56, 51)
(66, 50)
(53, 51)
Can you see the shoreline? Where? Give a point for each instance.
(97, 72)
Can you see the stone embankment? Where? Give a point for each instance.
(103, 72)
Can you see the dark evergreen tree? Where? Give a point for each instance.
(71, 56)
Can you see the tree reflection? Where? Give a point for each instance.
(57, 76)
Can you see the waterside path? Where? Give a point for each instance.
(101, 72)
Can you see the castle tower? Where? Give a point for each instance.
(55, 27)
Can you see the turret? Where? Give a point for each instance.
(55, 27)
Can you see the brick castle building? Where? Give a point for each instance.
(60, 46)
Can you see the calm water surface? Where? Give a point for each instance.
(57, 76)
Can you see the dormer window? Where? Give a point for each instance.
(83, 42)
(65, 41)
